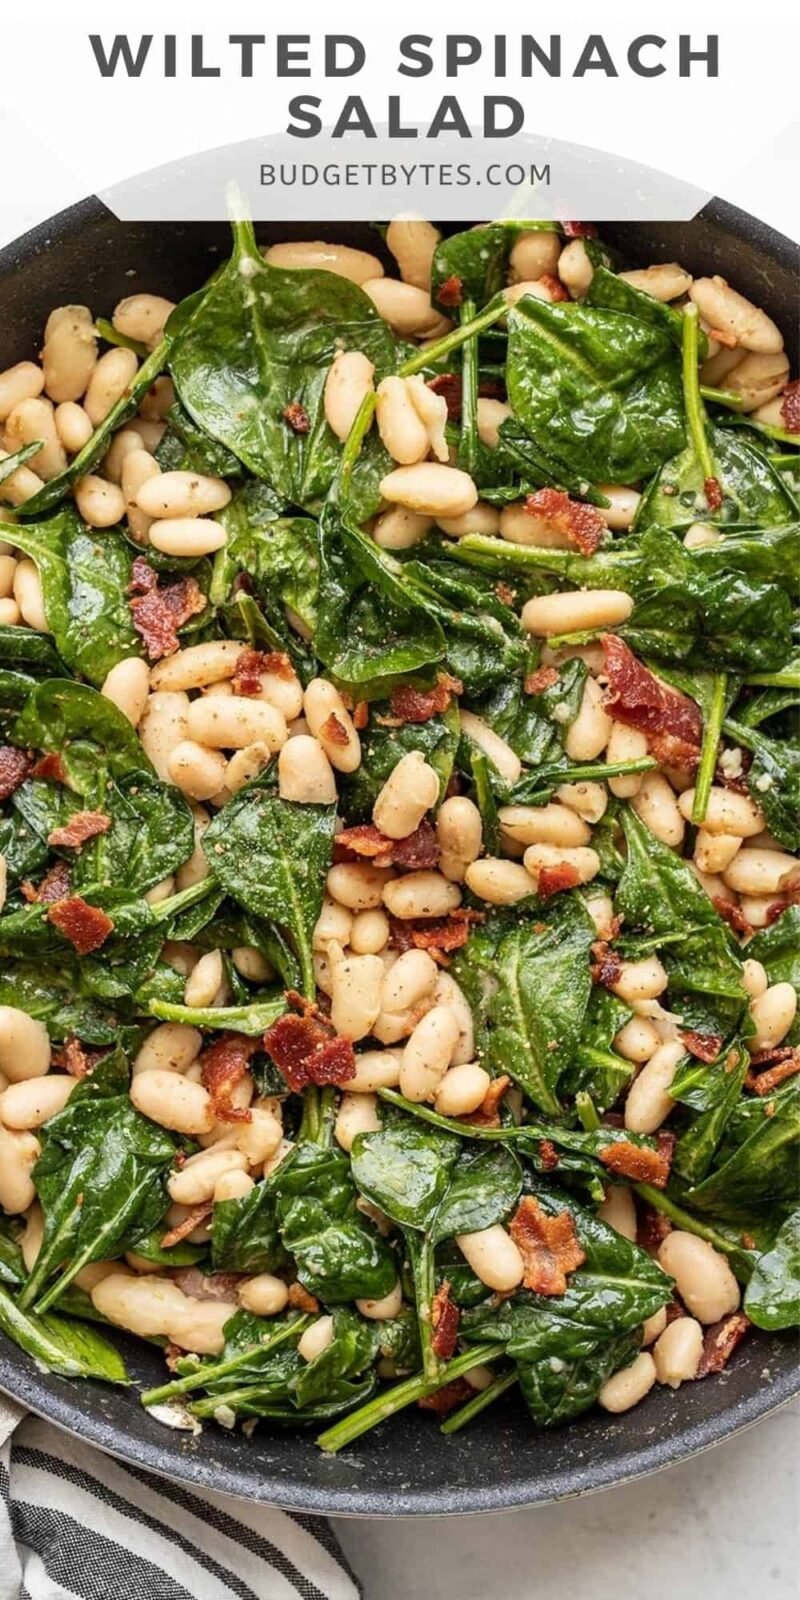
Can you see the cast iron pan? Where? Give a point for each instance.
(84, 255)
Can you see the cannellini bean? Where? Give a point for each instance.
(656, 806)
(665, 281)
(702, 1276)
(490, 416)
(283, 690)
(123, 444)
(758, 872)
(10, 614)
(541, 857)
(448, 993)
(401, 428)
(677, 1352)
(197, 665)
(194, 1182)
(590, 800)
(232, 1185)
(575, 268)
(29, 596)
(331, 723)
(155, 1307)
(649, 1102)
(3, 895)
(700, 535)
(411, 978)
(369, 933)
(250, 963)
(428, 1053)
(501, 883)
(758, 378)
(196, 868)
(195, 770)
(73, 426)
(31, 1241)
(333, 922)
(627, 1387)
(381, 1310)
(499, 753)
(158, 400)
(431, 409)
(29, 1104)
(400, 529)
(601, 910)
(413, 242)
(356, 983)
(754, 978)
(534, 254)
(619, 1212)
(536, 288)
(758, 910)
(112, 376)
(723, 307)
(356, 886)
(493, 1257)
(180, 956)
(421, 894)
(349, 381)
(171, 1047)
(713, 852)
(232, 722)
(100, 503)
(431, 488)
(548, 824)
(19, 486)
(265, 1295)
(462, 1090)
(29, 422)
(624, 505)
(162, 726)
(409, 311)
(261, 1137)
(589, 734)
(411, 789)
(520, 526)
(637, 1040)
(459, 832)
(182, 494)
(137, 467)
(625, 744)
(25, 381)
(186, 536)
(772, 1013)
(19, 1153)
(640, 980)
(24, 1045)
(483, 518)
(576, 611)
(316, 1339)
(313, 254)
(142, 317)
(654, 1326)
(375, 1069)
(726, 812)
(244, 765)
(305, 774)
(358, 1113)
(205, 980)
(69, 356)
(173, 1101)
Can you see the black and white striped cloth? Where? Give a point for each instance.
(76, 1525)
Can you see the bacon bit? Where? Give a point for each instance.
(301, 1300)
(549, 1246)
(790, 406)
(440, 933)
(297, 417)
(334, 730)
(419, 849)
(712, 488)
(488, 1112)
(224, 1065)
(305, 1048)
(724, 337)
(492, 389)
(579, 230)
(606, 967)
(451, 292)
(543, 678)
(555, 286)
(360, 715)
(720, 1341)
(363, 839)
(157, 612)
(75, 1058)
(671, 723)
(548, 1155)
(408, 704)
(505, 594)
(14, 768)
(55, 885)
(652, 1228)
(186, 1225)
(51, 767)
(553, 880)
(447, 1398)
(448, 384)
(786, 1067)
(675, 1310)
(251, 664)
(582, 524)
(86, 927)
(83, 825)
(445, 1317)
(206, 1285)
(172, 1355)
(703, 1046)
(731, 914)
(627, 1160)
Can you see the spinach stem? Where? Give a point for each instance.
(695, 415)
(206, 1375)
(197, 892)
(784, 678)
(468, 443)
(720, 397)
(711, 738)
(421, 1252)
(479, 1402)
(404, 1394)
(496, 309)
(309, 1122)
(587, 1111)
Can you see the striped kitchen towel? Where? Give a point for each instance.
(76, 1525)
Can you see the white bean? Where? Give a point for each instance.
(155, 1307)
(534, 254)
(3, 895)
(158, 401)
(754, 978)
(186, 536)
(171, 1047)
(501, 883)
(100, 503)
(24, 1045)
(244, 765)
(590, 800)
(194, 1182)
(409, 980)
(491, 414)
(142, 317)
(73, 426)
(654, 1326)
(25, 381)
(408, 310)
(758, 872)
(401, 429)
(448, 993)
(356, 983)
(198, 665)
(493, 1257)
(483, 518)
(163, 724)
(375, 1069)
(713, 852)
(413, 242)
(576, 611)
(702, 1276)
(305, 774)
(657, 808)
(349, 381)
(173, 1101)
(205, 981)
(261, 1137)
(369, 932)
(625, 744)
(111, 378)
(316, 1339)
(677, 1352)
(357, 1113)
(601, 910)
(575, 268)
(758, 379)
(333, 922)
(29, 1104)
(723, 307)
(137, 468)
(356, 886)
(400, 529)
(520, 526)
(624, 505)
(182, 494)
(32, 421)
(19, 1153)
(431, 488)
(431, 408)
(421, 894)
(619, 1212)
(588, 735)
(250, 963)
(10, 614)
(772, 1013)
(19, 486)
(459, 832)
(195, 770)
(315, 255)
(232, 1185)
(235, 721)
(410, 790)
(265, 1295)
(664, 281)
(637, 1040)
(428, 1053)
(69, 356)
(29, 595)
(499, 753)
(124, 443)
(627, 1387)
(649, 1102)
(543, 857)
(726, 812)
(462, 1090)
(537, 288)
(331, 723)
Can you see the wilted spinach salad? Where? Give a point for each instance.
(399, 832)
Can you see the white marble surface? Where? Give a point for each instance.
(722, 1525)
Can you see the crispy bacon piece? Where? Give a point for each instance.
(505, 594)
(54, 886)
(334, 730)
(51, 767)
(582, 524)
(606, 968)
(548, 1155)
(543, 678)
(360, 715)
(305, 1048)
(449, 385)
(579, 230)
(158, 612)
(554, 880)
(732, 914)
(440, 933)
(785, 1064)
(712, 489)
(652, 1227)
(445, 1317)
(297, 418)
(75, 1058)
(206, 1285)
(549, 1246)
(86, 927)
(419, 849)
(186, 1225)
(83, 825)
(224, 1065)
(671, 723)
(627, 1160)
(556, 287)
(301, 1300)
(720, 1341)
(790, 406)
(14, 768)
(488, 1112)
(703, 1046)
(451, 292)
(408, 704)
(447, 1398)
(251, 664)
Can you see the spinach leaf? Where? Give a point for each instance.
(558, 1389)
(759, 1177)
(773, 1293)
(85, 577)
(339, 1253)
(479, 257)
(383, 745)
(29, 652)
(482, 633)
(60, 1345)
(244, 1233)
(778, 948)
(280, 553)
(609, 292)
(186, 447)
(10, 463)
(755, 495)
(773, 779)
(713, 1091)
(251, 1019)
(75, 721)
